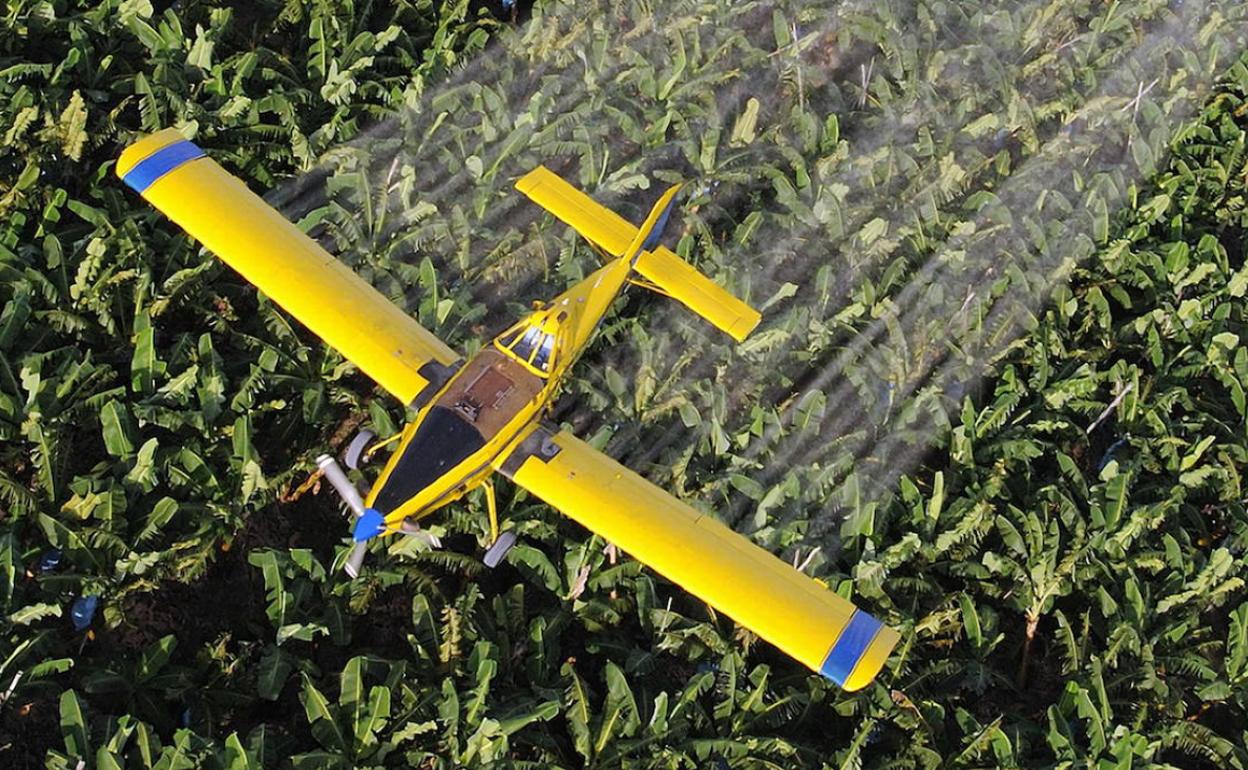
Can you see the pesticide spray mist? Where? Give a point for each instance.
(899, 188)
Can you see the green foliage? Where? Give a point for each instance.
(1062, 544)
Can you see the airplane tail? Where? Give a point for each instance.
(659, 268)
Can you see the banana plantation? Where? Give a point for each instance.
(996, 398)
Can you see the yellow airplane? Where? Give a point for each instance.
(485, 415)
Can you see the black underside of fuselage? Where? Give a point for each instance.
(442, 441)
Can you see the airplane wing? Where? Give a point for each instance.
(234, 223)
(787, 608)
(663, 268)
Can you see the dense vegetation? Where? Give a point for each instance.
(1000, 383)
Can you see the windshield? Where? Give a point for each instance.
(531, 345)
(542, 359)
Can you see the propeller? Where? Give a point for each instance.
(346, 490)
(369, 522)
(355, 560)
(369, 525)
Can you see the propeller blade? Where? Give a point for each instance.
(350, 495)
(355, 560)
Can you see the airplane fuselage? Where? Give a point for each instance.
(484, 410)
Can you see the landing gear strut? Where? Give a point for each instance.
(502, 543)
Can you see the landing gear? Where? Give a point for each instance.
(502, 543)
(355, 451)
(500, 548)
(492, 505)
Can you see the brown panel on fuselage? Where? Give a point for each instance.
(490, 390)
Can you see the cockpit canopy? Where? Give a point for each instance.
(532, 342)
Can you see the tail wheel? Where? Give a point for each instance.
(355, 451)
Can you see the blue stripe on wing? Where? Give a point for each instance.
(849, 648)
(161, 162)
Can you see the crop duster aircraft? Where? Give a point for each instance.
(477, 417)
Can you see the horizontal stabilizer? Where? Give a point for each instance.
(660, 266)
(683, 283)
(598, 224)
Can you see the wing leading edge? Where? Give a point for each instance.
(235, 224)
(719, 566)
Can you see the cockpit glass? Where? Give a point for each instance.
(508, 338)
(527, 344)
(542, 359)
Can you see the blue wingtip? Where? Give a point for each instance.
(161, 162)
(369, 525)
(849, 648)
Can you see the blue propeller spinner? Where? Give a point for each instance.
(369, 525)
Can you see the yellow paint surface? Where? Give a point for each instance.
(325, 295)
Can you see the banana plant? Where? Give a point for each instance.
(128, 742)
(356, 730)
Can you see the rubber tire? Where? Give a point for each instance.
(499, 549)
(356, 448)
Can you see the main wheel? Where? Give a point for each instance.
(500, 548)
(355, 450)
